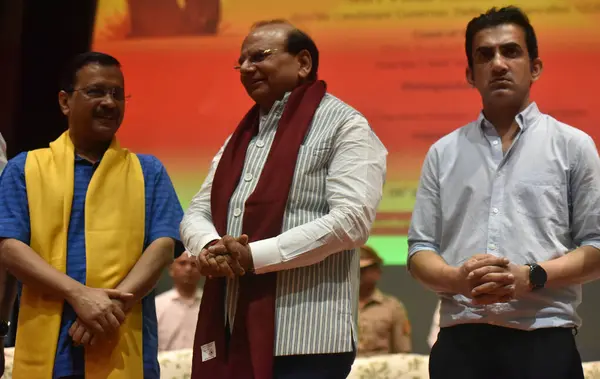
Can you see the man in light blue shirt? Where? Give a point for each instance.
(506, 225)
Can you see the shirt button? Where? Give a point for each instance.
(248, 177)
(237, 212)
(495, 210)
(260, 143)
(495, 142)
(492, 246)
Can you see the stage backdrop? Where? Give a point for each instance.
(400, 62)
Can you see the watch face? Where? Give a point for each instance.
(538, 276)
(3, 328)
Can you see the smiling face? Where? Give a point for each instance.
(267, 70)
(96, 106)
(502, 70)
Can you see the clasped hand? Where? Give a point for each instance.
(487, 279)
(228, 257)
(100, 313)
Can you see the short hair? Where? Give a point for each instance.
(367, 252)
(69, 78)
(297, 40)
(495, 17)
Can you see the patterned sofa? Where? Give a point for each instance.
(178, 365)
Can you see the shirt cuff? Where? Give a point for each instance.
(420, 246)
(592, 243)
(13, 234)
(412, 250)
(201, 244)
(265, 253)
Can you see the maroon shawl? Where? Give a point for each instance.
(249, 354)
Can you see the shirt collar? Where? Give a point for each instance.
(178, 296)
(376, 297)
(82, 160)
(275, 111)
(278, 106)
(525, 118)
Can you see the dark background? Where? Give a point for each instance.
(39, 37)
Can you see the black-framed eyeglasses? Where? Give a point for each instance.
(95, 93)
(254, 58)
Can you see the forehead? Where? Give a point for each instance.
(265, 37)
(500, 35)
(94, 73)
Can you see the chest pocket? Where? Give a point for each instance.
(307, 198)
(541, 199)
(313, 159)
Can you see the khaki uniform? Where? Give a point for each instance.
(383, 326)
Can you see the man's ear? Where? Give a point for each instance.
(63, 102)
(469, 76)
(537, 66)
(305, 62)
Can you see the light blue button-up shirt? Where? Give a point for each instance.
(536, 202)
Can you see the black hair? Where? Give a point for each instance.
(297, 40)
(495, 17)
(80, 61)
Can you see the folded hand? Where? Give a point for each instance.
(507, 282)
(227, 257)
(487, 279)
(84, 335)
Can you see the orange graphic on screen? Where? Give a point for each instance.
(401, 64)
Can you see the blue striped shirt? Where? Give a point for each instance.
(163, 215)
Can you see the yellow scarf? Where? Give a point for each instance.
(114, 238)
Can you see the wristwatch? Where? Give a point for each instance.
(537, 276)
(4, 326)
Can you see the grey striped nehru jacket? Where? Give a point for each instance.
(316, 304)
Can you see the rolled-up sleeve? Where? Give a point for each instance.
(14, 207)
(425, 226)
(585, 195)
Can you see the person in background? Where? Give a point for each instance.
(87, 227)
(3, 159)
(7, 281)
(435, 326)
(177, 309)
(383, 324)
(505, 227)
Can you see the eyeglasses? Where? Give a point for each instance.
(254, 58)
(95, 93)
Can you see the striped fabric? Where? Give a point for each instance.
(316, 306)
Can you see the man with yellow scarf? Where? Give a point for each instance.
(87, 227)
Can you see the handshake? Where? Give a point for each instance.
(487, 279)
(228, 257)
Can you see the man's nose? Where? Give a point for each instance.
(247, 67)
(189, 266)
(109, 101)
(499, 63)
